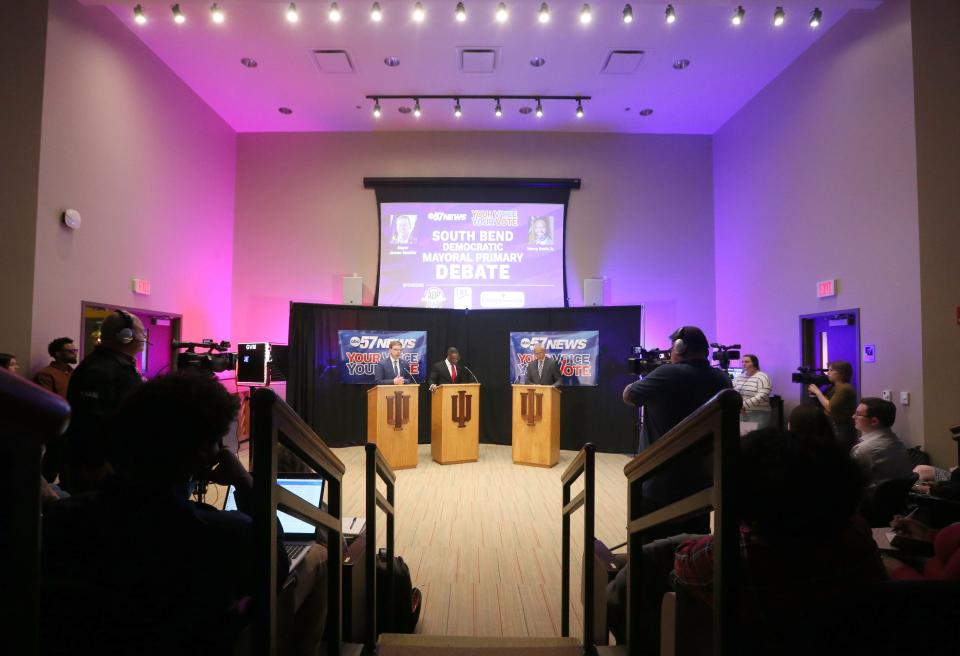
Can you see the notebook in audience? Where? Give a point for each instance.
(298, 535)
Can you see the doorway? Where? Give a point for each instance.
(830, 336)
(163, 328)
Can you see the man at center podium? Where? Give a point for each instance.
(391, 370)
(448, 372)
(542, 370)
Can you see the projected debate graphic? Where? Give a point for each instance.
(471, 255)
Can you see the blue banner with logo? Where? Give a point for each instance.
(361, 350)
(577, 353)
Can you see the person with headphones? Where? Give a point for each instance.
(106, 377)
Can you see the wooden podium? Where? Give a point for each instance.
(392, 420)
(536, 425)
(455, 423)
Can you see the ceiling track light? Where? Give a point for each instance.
(779, 17)
(459, 98)
(292, 14)
(585, 14)
(376, 108)
(216, 13)
(544, 14)
(139, 17)
(334, 14)
(539, 110)
(738, 16)
(456, 109)
(816, 16)
(579, 109)
(627, 14)
(670, 15)
(178, 17)
(375, 14)
(418, 13)
(416, 107)
(460, 13)
(498, 111)
(502, 15)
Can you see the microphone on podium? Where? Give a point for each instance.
(471, 373)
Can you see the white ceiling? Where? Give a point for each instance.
(728, 66)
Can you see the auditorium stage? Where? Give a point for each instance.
(482, 539)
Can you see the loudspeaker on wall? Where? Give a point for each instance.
(593, 291)
(352, 290)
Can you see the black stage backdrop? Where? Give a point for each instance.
(338, 413)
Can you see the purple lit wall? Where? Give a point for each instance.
(644, 217)
(816, 178)
(151, 169)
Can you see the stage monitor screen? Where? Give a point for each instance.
(471, 255)
(252, 359)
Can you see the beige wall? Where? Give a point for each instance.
(304, 219)
(151, 169)
(23, 40)
(936, 59)
(816, 178)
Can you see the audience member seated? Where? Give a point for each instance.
(810, 422)
(137, 567)
(879, 452)
(945, 563)
(800, 543)
(9, 362)
(938, 482)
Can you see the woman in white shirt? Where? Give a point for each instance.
(754, 387)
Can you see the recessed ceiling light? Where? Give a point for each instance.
(626, 109)
(286, 111)
(537, 62)
(646, 112)
(249, 62)
(403, 109)
(392, 62)
(681, 64)
(525, 110)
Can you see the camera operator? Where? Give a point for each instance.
(839, 402)
(669, 394)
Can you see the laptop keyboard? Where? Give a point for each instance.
(294, 550)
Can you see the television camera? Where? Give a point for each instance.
(810, 375)
(214, 360)
(724, 354)
(644, 361)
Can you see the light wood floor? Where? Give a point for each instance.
(482, 540)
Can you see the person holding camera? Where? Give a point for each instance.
(754, 386)
(839, 402)
(668, 395)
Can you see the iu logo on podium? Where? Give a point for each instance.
(461, 406)
(531, 406)
(398, 410)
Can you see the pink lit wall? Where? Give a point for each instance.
(816, 178)
(644, 217)
(151, 169)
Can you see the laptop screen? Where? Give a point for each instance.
(308, 489)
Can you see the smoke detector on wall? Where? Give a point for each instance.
(72, 219)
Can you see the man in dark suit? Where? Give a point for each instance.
(542, 370)
(391, 370)
(447, 372)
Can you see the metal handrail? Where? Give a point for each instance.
(274, 423)
(583, 465)
(377, 466)
(717, 423)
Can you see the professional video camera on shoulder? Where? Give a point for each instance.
(644, 361)
(724, 354)
(810, 375)
(214, 360)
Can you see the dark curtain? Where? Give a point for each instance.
(337, 412)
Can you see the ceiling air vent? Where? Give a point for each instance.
(479, 60)
(622, 62)
(334, 62)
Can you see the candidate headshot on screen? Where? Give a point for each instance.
(403, 229)
(540, 233)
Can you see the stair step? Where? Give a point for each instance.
(396, 644)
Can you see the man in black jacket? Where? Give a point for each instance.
(450, 371)
(542, 370)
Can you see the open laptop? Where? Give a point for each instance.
(298, 535)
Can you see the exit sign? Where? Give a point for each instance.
(826, 288)
(141, 286)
